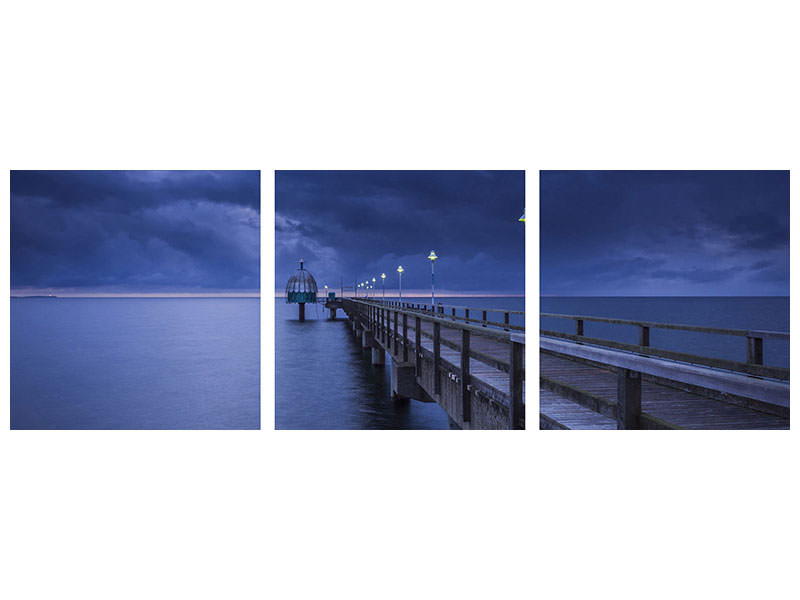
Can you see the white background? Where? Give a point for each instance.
(461, 85)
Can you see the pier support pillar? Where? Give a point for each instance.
(404, 382)
(367, 338)
(378, 356)
(302, 314)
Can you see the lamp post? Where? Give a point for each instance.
(432, 257)
(400, 279)
(373, 287)
(383, 280)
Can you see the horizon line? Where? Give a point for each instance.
(139, 295)
(664, 296)
(281, 294)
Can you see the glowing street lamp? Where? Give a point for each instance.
(383, 280)
(400, 279)
(432, 257)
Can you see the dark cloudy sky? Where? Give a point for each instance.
(357, 224)
(669, 233)
(135, 231)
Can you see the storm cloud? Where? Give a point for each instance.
(664, 233)
(135, 231)
(354, 225)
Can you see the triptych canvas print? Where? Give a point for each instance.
(400, 300)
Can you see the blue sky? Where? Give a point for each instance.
(664, 233)
(354, 225)
(135, 231)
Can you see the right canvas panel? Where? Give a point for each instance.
(664, 300)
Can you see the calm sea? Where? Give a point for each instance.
(79, 363)
(324, 380)
(767, 313)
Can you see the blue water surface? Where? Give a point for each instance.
(143, 363)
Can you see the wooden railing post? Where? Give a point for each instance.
(437, 384)
(453, 313)
(755, 350)
(466, 315)
(578, 326)
(395, 333)
(516, 382)
(405, 338)
(418, 345)
(466, 400)
(484, 319)
(505, 321)
(629, 398)
(644, 335)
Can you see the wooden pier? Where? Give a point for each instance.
(472, 367)
(590, 383)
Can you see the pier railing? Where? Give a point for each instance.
(390, 322)
(631, 368)
(464, 314)
(755, 344)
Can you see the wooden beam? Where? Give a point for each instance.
(755, 350)
(437, 358)
(629, 398)
(405, 338)
(516, 383)
(466, 400)
(395, 333)
(644, 335)
(418, 345)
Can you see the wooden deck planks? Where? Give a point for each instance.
(674, 406)
(571, 415)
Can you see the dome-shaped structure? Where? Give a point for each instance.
(301, 287)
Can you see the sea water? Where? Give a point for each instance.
(142, 363)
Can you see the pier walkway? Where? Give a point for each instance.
(588, 383)
(472, 367)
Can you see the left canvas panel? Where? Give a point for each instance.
(135, 299)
